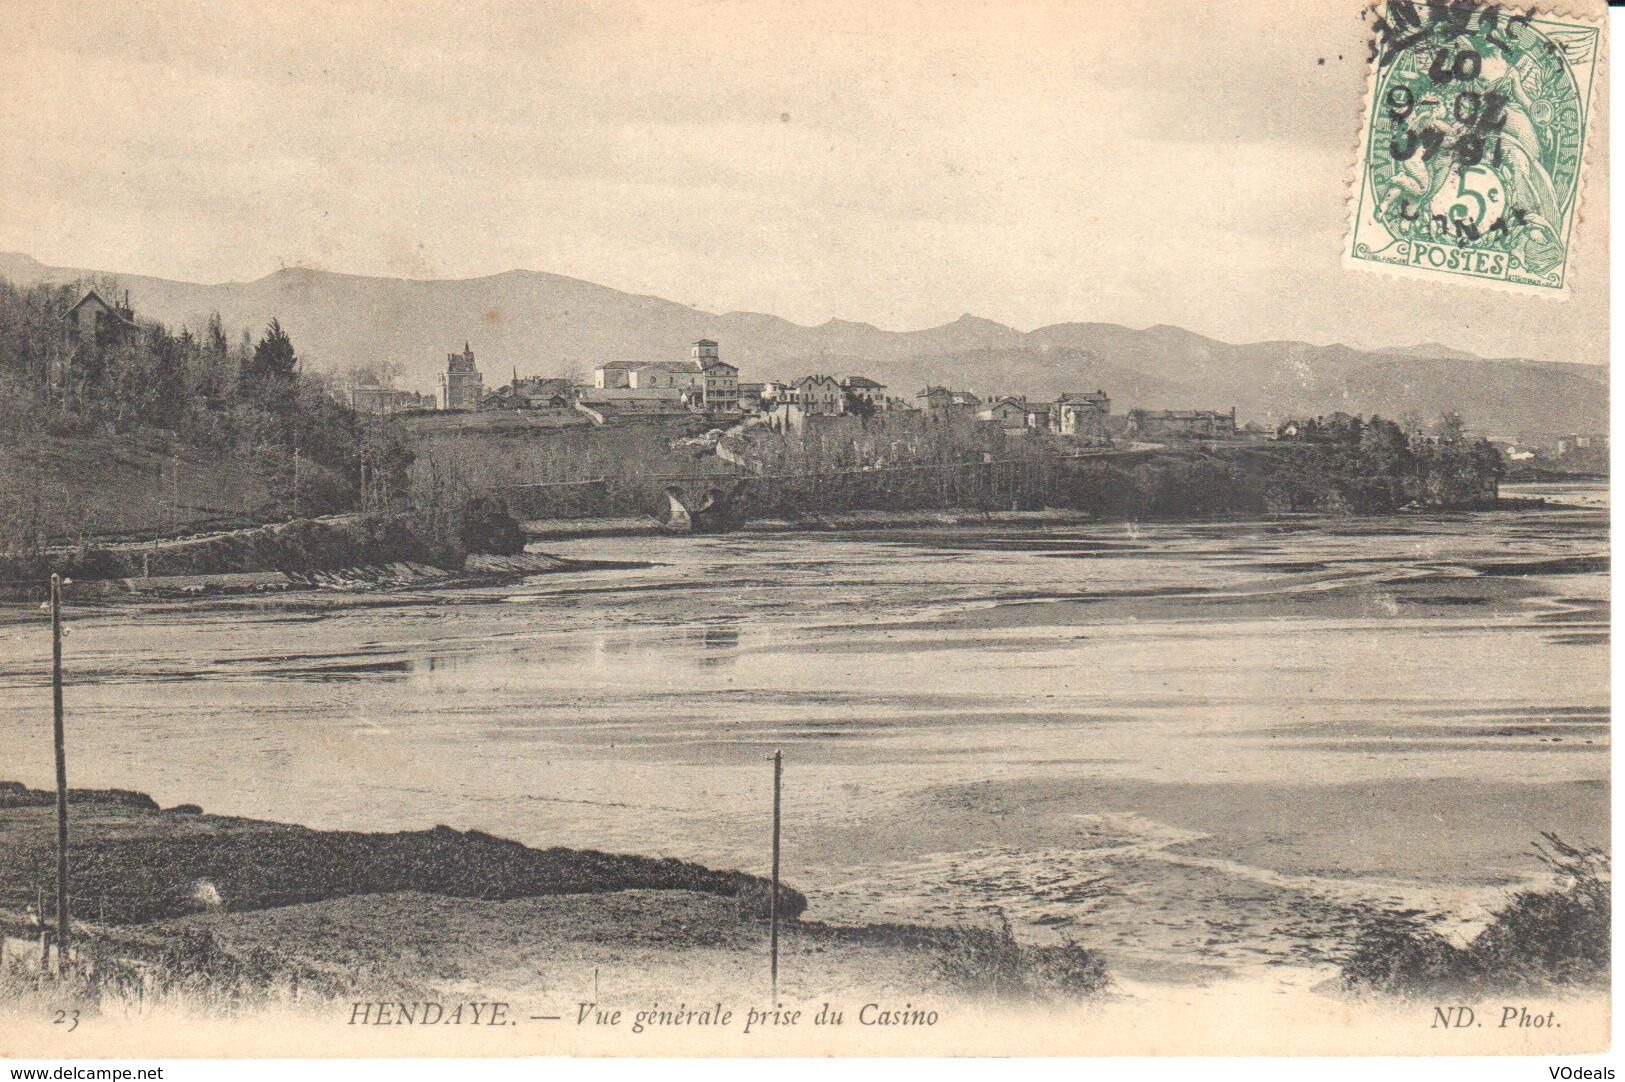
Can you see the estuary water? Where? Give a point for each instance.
(1203, 748)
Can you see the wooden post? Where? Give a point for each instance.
(773, 910)
(61, 774)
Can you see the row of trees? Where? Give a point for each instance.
(250, 401)
(1341, 464)
(1372, 465)
(249, 406)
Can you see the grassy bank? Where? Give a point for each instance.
(136, 863)
(126, 486)
(301, 545)
(221, 913)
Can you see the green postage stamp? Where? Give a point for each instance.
(1474, 144)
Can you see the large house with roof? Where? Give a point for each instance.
(94, 320)
(648, 376)
(535, 393)
(387, 400)
(789, 404)
(864, 389)
(1009, 413)
(720, 380)
(819, 395)
(703, 382)
(1182, 424)
(941, 402)
(1081, 415)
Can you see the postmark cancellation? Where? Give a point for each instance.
(1474, 145)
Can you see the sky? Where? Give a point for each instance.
(898, 163)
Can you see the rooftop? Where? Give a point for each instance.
(632, 366)
(120, 312)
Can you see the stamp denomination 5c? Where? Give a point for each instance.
(1474, 143)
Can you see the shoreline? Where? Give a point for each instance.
(479, 570)
(541, 530)
(577, 529)
(487, 570)
(254, 909)
(443, 916)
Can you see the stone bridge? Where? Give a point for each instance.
(703, 503)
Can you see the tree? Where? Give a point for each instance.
(214, 338)
(372, 374)
(859, 406)
(1342, 427)
(273, 357)
(163, 398)
(1452, 429)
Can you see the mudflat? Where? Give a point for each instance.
(1197, 747)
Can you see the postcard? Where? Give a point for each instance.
(952, 528)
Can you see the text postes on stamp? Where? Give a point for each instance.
(1474, 142)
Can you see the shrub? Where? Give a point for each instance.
(992, 963)
(486, 526)
(1553, 938)
(1540, 941)
(1397, 953)
(191, 968)
(754, 900)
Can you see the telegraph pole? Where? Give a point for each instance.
(61, 775)
(773, 910)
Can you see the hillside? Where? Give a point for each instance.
(128, 486)
(542, 323)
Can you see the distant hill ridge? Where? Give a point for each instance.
(549, 324)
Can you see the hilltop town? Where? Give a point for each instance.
(124, 428)
(705, 384)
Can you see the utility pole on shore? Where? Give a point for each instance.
(773, 906)
(61, 775)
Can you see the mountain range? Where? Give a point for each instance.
(547, 324)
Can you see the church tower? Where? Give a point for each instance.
(702, 353)
(461, 385)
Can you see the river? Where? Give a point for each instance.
(1200, 747)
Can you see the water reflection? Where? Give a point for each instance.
(991, 685)
(718, 644)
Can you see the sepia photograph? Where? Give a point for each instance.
(705, 528)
